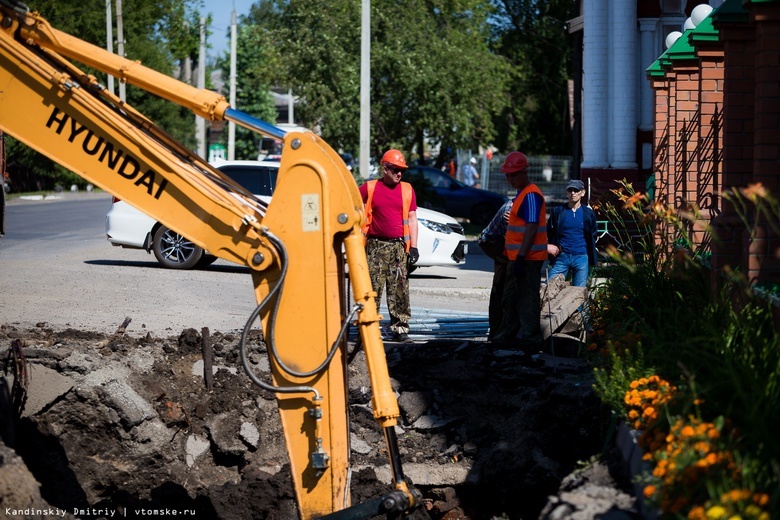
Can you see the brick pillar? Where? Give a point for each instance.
(738, 113)
(710, 164)
(764, 259)
(661, 136)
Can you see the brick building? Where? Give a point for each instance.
(688, 122)
(717, 128)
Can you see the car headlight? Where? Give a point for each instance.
(435, 226)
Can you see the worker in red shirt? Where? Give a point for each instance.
(391, 239)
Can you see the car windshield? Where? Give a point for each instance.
(437, 179)
(259, 180)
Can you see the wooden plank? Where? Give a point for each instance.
(556, 311)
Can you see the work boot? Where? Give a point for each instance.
(401, 337)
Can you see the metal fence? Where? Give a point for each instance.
(550, 173)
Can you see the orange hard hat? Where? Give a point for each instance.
(394, 157)
(514, 162)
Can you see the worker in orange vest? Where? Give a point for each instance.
(391, 239)
(526, 249)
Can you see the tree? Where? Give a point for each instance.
(155, 35)
(433, 76)
(531, 35)
(254, 56)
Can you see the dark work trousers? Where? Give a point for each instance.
(521, 323)
(496, 305)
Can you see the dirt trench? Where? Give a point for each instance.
(127, 427)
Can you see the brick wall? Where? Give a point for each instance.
(717, 129)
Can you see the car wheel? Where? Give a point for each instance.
(174, 251)
(207, 259)
(482, 214)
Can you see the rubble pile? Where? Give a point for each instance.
(121, 426)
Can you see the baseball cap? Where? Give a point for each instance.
(473, 160)
(577, 185)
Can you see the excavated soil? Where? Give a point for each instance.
(124, 426)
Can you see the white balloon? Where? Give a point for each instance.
(689, 24)
(672, 37)
(699, 13)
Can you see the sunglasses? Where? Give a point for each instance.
(393, 169)
(572, 190)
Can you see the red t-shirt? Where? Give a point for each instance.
(387, 210)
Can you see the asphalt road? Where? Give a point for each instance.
(56, 267)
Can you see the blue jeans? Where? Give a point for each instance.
(577, 264)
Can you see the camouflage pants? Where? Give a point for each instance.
(387, 268)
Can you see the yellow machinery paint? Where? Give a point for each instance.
(295, 247)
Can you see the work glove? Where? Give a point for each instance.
(518, 268)
(414, 255)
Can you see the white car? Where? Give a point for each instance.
(440, 239)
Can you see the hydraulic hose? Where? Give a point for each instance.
(270, 339)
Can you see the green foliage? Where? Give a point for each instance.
(155, 35)
(531, 35)
(720, 348)
(433, 74)
(254, 56)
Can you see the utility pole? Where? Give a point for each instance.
(290, 107)
(120, 43)
(231, 124)
(365, 88)
(109, 42)
(200, 123)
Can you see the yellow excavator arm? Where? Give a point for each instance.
(294, 246)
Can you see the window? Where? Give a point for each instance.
(259, 180)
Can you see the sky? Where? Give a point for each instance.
(221, 17)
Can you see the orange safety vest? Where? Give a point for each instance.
(406, 200)
(515, 230)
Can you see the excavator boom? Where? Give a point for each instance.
(295, 246)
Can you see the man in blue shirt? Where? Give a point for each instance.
(571, 234)
(470, 175)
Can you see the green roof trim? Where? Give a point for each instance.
(685, 46)
(705, 32)
(682, 48)
(730, 11)
(655, 70)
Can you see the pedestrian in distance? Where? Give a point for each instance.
(572, 234)
(391, 239)
(451, 168)
(470, 175)
(526, 250)
(492, 241)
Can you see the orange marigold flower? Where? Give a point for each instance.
(761, 499)
(697, 513)
(649, 491)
